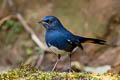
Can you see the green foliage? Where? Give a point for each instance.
(17, 28)
(29, 51)
(34, 15)
(40, 51)
(7, 24)
(12, 28)
(13, 25)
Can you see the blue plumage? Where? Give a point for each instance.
(60, 40)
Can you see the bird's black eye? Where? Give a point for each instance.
(49, 21)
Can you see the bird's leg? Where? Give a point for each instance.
(70, 70)
(58, 59)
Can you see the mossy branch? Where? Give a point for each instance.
(28, 73)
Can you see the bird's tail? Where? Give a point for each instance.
(91, 40)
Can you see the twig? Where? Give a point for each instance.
(40, 59)
(26, 26)
(29, 30)
(5, 19)
(33, 35)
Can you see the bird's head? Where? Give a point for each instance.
(51, 22)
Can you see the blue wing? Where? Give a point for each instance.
(60, 40)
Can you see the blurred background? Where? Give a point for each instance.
(90, 18)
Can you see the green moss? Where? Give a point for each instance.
(28, 73)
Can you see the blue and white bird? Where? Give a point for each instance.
(60, 40)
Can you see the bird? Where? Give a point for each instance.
(61, 41)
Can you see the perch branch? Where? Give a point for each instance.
(26, 26)
(29, 30)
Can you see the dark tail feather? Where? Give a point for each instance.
(88, 40)
(91, 40)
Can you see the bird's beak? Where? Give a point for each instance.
(42, 22)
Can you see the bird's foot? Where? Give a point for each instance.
(70, 70)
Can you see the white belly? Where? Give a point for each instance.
(58, 51)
